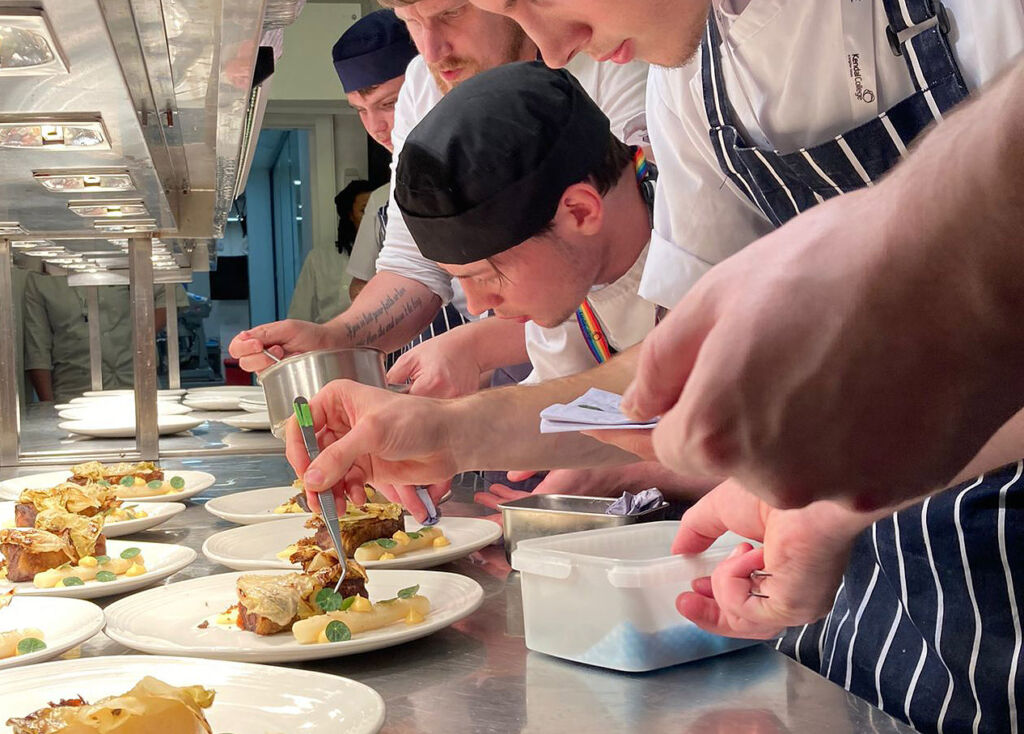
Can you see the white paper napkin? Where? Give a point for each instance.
(595, 410)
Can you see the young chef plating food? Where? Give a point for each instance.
(456, 41)
(756, 72)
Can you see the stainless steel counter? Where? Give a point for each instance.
(477, 676)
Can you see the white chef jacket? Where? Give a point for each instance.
(321, 290)
(362, 262)
(625, 317)
(786, 76)
(618, 90)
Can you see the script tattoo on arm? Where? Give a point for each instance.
(373, 326)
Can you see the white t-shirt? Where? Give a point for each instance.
(618, 90)
(625, 317)
(362, 261)
(786, 76)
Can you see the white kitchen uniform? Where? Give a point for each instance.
(618, 90)
(625, 318)
(770, 62)
(362, 261)
(321, 290)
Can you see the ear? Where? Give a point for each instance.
(580, 211)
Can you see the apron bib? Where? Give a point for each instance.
(926, 624)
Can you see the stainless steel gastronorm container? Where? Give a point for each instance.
(305, 374)
(540, 515)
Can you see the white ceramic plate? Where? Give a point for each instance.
(257, 546)
(122, 427)
(65, 623)
(162, 560)
(249, 421)
(164, 621)
(255, 699)
(195, 482)
(99, 410)
(157, 514)
(254, 506)
(224, 401)
(162, 392)
(253, 405)
(239, 390)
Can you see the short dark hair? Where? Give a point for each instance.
(617, 157)
(343, 203)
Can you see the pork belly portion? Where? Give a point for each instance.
(28, 551)
(88, 500)
(361, 524)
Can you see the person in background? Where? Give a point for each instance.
(55, 317)
(319, 293)
(409, 293)
(370, 58)
(523, 138)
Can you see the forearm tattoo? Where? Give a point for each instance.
(371, 327)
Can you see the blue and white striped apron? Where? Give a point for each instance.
(926, 624)
(782, 185)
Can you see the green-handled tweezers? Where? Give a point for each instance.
(327, 507)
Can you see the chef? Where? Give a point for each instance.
(456, 41)
(370, 59)
(55, 317)
(745, 146)
(517, 138)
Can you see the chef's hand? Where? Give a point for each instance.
(805, 551)
(436, 370)
(786, 362)
(406, 495)
(280, 338)
(360, 429)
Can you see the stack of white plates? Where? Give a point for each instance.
(223, 397)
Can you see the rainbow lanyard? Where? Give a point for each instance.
(593, 332)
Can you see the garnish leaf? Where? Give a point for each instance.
(155, 484)
(106, 576)
(387, 543)
(127, 481)
(346, 603)
(177, 483)
(413, 535)
(103, 559)
(338, 632)
(30, 645)
(73, 581)
(129, 553)
(328, 600)
(409, 592)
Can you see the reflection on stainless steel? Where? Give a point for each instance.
(109, 208)
(476, 677)
(540, 515)
(75, 181)
(305, 374)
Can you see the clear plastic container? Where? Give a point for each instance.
(608, 597)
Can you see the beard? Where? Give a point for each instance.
(513, 41)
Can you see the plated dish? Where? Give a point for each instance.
(51, 565)
(268, 545)
(254, 699)
(258, 506)
(36, 629)
(132, 518)
(176, 484)
(193, 618)
(100, 409)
